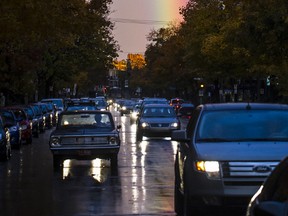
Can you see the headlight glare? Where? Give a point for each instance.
(145, 125)
(174, 125)
(211, 168)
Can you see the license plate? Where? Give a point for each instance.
(84, 152)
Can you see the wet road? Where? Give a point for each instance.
(142, 185)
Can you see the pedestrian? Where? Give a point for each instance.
(2, 99)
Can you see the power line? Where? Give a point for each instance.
(143, 22)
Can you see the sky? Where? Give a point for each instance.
(135, 19)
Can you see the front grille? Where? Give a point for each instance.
(84, 140)
(160, 125)
(246, 173)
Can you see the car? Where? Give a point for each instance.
(5, 146)
(32, 117)
(10, 122)
(225, 153)
(272, 196)
(156, 120)
(47, 113)
(185, 113)
(59, 106)
(78, 105)
(126, 107)
(39, 117)
(24, 123)
(176, 103)
(85, 135)
(101, 104)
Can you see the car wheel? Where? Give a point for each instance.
(139, 135)
(178, 196)
(57, 162)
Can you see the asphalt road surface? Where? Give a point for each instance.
(142, 185)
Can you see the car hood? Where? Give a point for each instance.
(82, 131)
(159, 120)
(239, 151)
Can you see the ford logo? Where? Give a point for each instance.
(262, 169)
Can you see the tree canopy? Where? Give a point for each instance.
(46, 45)
(222, 40)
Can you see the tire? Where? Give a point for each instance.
(178, 196)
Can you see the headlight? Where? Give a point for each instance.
(112, 141)
(124, 108)
(144, 125)
(174, 125)
(54, 141)
(13, 129)
(211, 168)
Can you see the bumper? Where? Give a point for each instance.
(158, 132)
(216, 193)
(85, 153)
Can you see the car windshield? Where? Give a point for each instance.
(87, 119)
(245, 125)
(158, 112)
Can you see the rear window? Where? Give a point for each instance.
(243, 125)
(87, 119)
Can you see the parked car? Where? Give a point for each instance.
(226, 153)
(39, 116)
(85, 135)
(47, 114)
(30, 111)
(58, 106)
(24, 123)
(156, 120)
(10, 122)
(5, 147)
(271, 198)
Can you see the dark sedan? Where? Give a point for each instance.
(156, 120)
(85, 135)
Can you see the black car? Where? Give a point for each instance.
(85, 135)
(225, 154)
(5, 147)
(156, 120)
(271, 199)
(39, 117)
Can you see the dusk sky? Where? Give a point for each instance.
(134, 19)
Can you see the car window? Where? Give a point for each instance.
(79, 119)
(158, 111)
(243, 125)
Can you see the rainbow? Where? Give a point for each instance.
(167, 10)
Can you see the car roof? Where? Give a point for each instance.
(242, 105)
(157, 105)
(84, 112)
